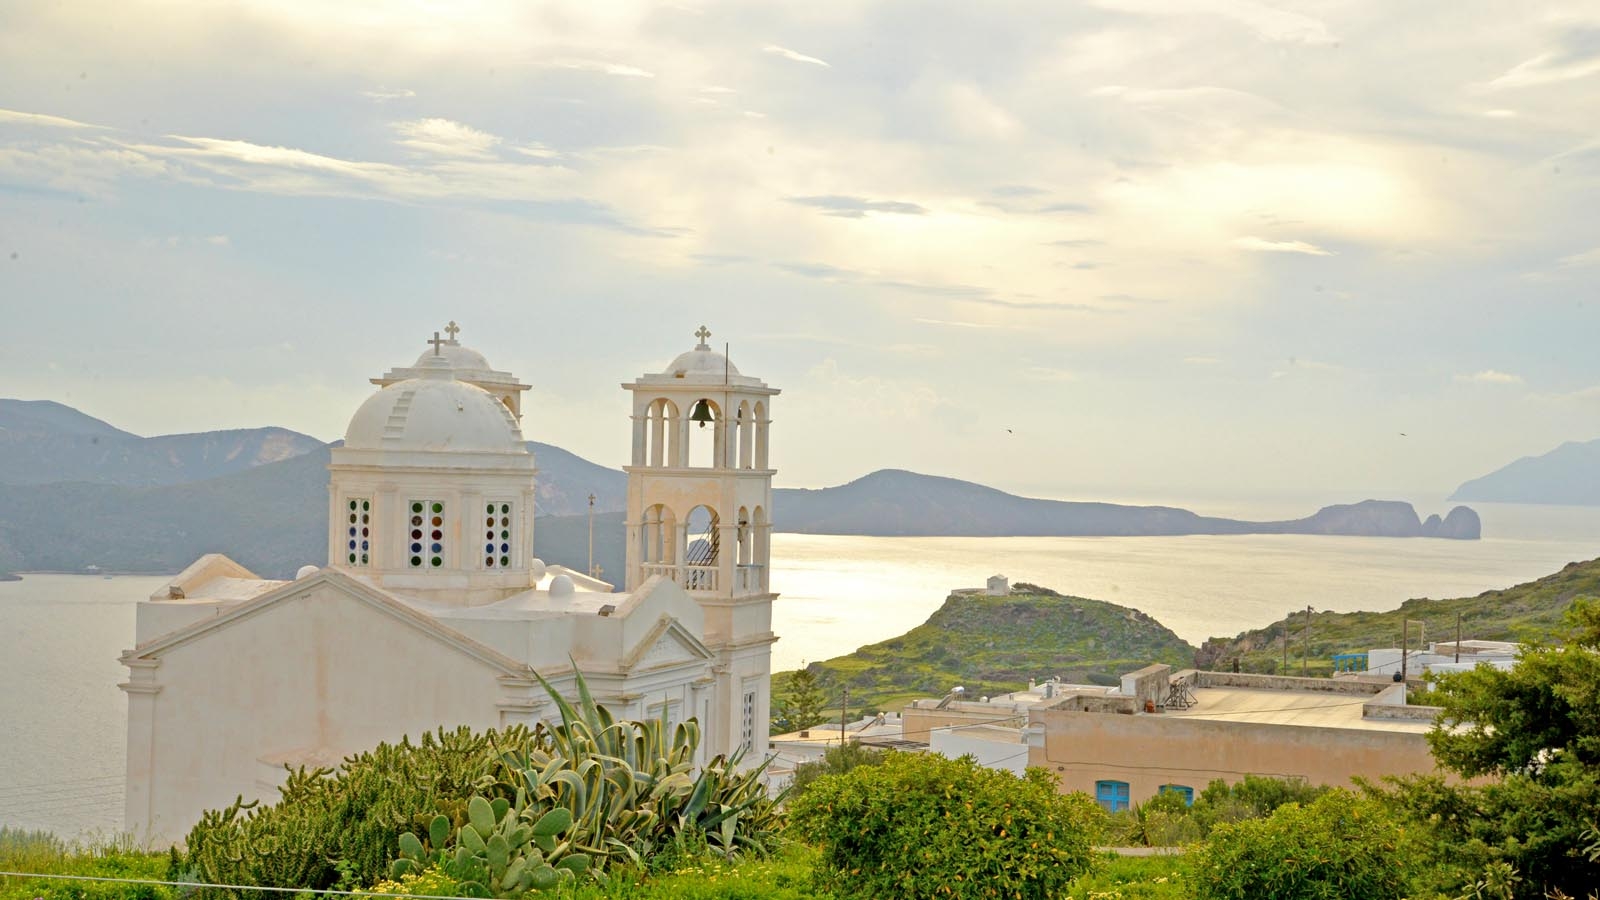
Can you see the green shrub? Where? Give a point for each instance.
(835, 761)
(37, 851)
(921, 825)
(1253, 797)
(1338, 847)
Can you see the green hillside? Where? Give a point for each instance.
(1531, 610)
(992, 645)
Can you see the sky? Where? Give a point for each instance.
(1117, 249)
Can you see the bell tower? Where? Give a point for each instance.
(700, 515)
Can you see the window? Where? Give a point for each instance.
(427, 534)
(747, 728)
(360, 536)
(1186, 792)
(1111, 795)
(497, 535)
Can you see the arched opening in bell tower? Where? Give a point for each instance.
(662, 433)
(703, 550)
(705, 432)
(658, 542)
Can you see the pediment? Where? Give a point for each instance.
(667, 644)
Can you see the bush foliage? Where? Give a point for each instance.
(921, 825)
(1339, 846)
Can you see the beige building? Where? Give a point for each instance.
(1164, 731)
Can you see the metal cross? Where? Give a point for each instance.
(437, 342)
(702, 334)
(452, 329)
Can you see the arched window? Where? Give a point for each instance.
(1182, 790)
(1111, 795)
(661, 433)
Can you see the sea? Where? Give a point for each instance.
(62, 718)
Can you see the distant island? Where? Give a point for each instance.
(76, 491)
(1568, 475)
(891, 502)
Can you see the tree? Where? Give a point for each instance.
(803, 703)
(1340, 845)
(1532, 733)
(920, 825)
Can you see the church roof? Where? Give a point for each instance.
(372, 596)
(435, 412)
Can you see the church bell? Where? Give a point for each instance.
(701, 413)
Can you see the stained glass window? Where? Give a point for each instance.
(426, 535)
(359, 537)
(497, 535)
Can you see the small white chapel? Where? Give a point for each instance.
(434, 608)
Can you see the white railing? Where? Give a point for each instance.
(699, 578)
(667, 569)
(747, 579)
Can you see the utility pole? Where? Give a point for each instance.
(591, 535)
(844, 705)
(1305, 662)
(1286, 620)
(1458, 637)
(1405, 635)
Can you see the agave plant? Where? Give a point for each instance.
(505, 849)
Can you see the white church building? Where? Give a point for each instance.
(434, 609)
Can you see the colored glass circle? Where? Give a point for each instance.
(438, 535)
(437, 562)
(505, 560)
(438, 548)
(352, 504)
(505, 535)
(352, 557)
(438, 507)
(416, 520)
(352, 545)
(364, 545)
(352, 517)
(489, 535)
(416, 548)
(416, 534)
(352, 531)
(416, 560)
(364, 533)
(489, 521)
(505, 521)
(416, 507)
(505, 507)
(437, 521)
(488, 562)
(365, 505)
(363, 559)
(505, 548)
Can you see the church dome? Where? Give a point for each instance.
(457, 357)
(434, 413)
(701, 361)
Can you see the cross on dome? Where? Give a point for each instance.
(438, 342)
(452, 329)
(702, 334)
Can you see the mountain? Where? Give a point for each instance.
(892, 502)
(566, 480)
(993, 645)
(1569, 475)
(43, 442)
(1527, 610)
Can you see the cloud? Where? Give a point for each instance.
(1577, 56)
(949, 323)
(13, 117)
(1202, 360)
(795, 56)
(1046, 373)
(858, 207)
(1266, 246)
(1490, 376)
(1017, 190)
(442, 137)
(1267, 23)
(602, 66)
(1580, 260)
(383, 95)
